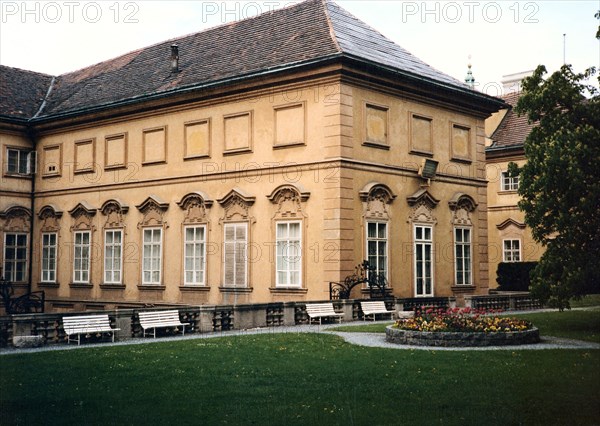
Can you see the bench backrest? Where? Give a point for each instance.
(320, 308)
(158, 316)
(85, 322)
(373, 306)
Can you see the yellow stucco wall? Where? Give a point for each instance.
(328, 158)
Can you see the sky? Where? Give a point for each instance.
(497, 37)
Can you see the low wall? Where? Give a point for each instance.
(206, 318)
(460, 339)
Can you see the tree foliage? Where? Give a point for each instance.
(560, 183)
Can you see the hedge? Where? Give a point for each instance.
(514, 276)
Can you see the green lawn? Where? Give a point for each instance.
(298, 379)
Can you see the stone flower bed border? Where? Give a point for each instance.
(461, 339)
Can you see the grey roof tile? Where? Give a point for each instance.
(309, 31)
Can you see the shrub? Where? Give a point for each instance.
(514, 276)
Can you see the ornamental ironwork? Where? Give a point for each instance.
(364, 273)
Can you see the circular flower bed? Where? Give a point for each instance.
(461, 327)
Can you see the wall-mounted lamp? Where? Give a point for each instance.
(428, 169)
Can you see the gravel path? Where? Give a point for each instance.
(362, 339)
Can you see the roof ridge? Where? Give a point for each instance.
(330, 24)
(27, 71)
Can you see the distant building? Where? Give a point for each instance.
(510, 239)
(249, 163)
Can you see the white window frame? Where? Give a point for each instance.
(239, 250)
(509, 183)
(378, 241)
(508, 253)
(151, 260)
(463, 265)
(421, 246)
(194, 251)
(49, 257)
(16, 260)
(22, 164)
(82, 257)
(113, 263)
(288, 273)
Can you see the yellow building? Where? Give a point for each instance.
(510, 239)
(253, 162)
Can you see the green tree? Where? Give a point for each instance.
(560, 183)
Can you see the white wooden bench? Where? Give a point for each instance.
(151, 320)
(87, 324)
(322, 310)
(370, 309)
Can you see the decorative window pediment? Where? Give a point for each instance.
(423, 204)
(462, 205)
(236, 205)
(50, 216)
(153, 209)
(16, 218)
(82, 215)
(288, 199)
(462, 201)
(508, 222)
(375, 197)
(114, 211)
(195, 204)
(422, 196)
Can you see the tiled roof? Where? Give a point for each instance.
(22, 92)
(514, 129)
(307, 32)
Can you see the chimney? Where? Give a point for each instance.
(174, 58)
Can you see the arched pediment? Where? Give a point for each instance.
(16, 211)
(197, 197)
(195, 204)
(48, 211)
(16, 218)
(289, 199)
(114, 205)
(114, 210)
(50, 216)
(377, 190)
(461, 200)
(285, 190)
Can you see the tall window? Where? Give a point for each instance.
(81, 256)
(152, 256)
(509, 183)
(113, 256)
(377, 247)
(18, 160)
(289, 254)
(15, 257)
(512, 250)
(49, 257)
(423, 260)
(235, 256)
(195, 255)
(462, 253)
